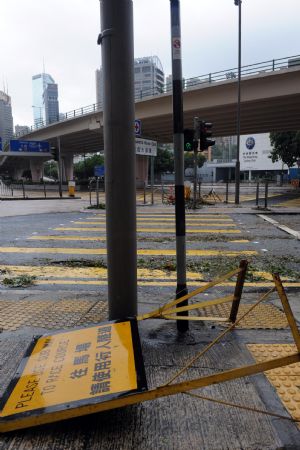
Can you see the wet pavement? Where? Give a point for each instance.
(177, 422)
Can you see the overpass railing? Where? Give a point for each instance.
(188, 84)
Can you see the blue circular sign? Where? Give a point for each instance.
(250, 143)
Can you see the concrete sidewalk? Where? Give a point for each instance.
(26, 207)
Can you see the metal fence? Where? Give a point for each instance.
(188, 84)
(19, 189)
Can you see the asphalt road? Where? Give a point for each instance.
(67, 266)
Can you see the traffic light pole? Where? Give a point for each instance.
(116, 39)
(60, 167)
(237, 165)
(181, 290)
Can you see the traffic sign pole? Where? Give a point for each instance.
(178, 136)
(116, 39)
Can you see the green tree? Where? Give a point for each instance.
(85, 168)
(164, 161)
(189, 159)
(51, 169)
(286, 147)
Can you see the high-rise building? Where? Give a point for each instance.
(99, 87)
(44, 99)
(21, 129)
(6, 119)
(149, 78)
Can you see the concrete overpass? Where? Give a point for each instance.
(270, 101)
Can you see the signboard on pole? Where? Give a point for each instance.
(145, 147)
(64, 373)
(29, 146)
(99, 171)
(255, 152)
(137, 127)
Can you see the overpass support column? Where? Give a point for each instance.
(68, 166)
(119, 143)
(36, 168)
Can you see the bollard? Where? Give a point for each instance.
(23, 188)
(45, 195)
(144, 192)
(257, 195)
(162, 193)
(71, 188)
(199, 190)
(266, 194)
(226, 195)
(97, 192)
(90, 190)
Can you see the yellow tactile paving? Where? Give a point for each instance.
(286, 380)
(98, 313)
(261, 317)
(50, 314)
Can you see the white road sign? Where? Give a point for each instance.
(145, 147)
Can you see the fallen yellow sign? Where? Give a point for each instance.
(76, 368)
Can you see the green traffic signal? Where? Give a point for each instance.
(190, 143)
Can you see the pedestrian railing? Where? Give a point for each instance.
(21, 189)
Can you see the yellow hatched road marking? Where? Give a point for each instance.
(102, 251)
(165, 219)
(217, 216)
(162, 284)
(61, 271)
(67, 238)
(213, 224)
(96, 238)
(151, 230)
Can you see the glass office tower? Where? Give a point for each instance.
(6, 119)
(44, 99)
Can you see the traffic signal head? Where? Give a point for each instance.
(205, 135)
(190, 143)
(54, 151)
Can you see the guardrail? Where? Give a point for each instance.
(188, 83)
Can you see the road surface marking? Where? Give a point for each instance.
(102, 251)
(151, 230)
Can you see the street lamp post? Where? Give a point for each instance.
(237, 165)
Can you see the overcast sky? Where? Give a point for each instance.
(63, 33)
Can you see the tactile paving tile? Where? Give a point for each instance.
(61, 314)
(286, 380)
(17, 314)
(45, 314)
(98, 313)
(261, 317)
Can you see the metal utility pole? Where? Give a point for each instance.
(181, 290)
(237, 165)
(116, 39)
(60, 168)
